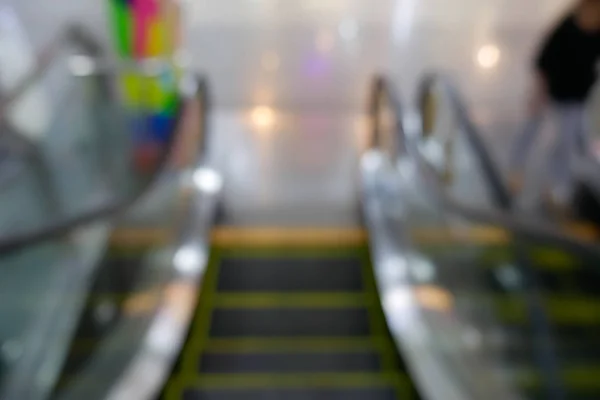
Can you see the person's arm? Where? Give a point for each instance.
(538, 98)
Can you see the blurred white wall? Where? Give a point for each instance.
(22, 37)
(43, 19)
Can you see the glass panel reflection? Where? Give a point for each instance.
(108, 134)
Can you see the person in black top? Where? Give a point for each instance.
(565, 73)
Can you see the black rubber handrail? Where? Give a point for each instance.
(383, 88)
(74, 35)
(498, 191)
(115, 208)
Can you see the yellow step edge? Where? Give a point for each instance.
(561, 309)
(295, 380)
(272, 237)
(553, 259)
(580, 377)
(546, 259)
(292, 300)
(288, 252)
(292, 345)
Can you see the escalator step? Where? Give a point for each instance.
(290, 274)
(292, 394)
(571, 395)
(570, 350)
(298, 345)
(292, 362)
(291, 322)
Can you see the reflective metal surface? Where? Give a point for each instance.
(163, 239)
(136, 358)
(96, 155)
(447, 351)
(43, 292)
(495, 300)
(506, 304)
(100, 150)
(447, 140)
(424, 298)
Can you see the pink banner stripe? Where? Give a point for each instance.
(143, 12)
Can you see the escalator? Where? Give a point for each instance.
(499, 306)
(289, 314)
(137, 285)
(295, 314)
(100, 209)
(442, 295)
(535, 336)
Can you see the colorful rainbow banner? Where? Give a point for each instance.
(145, 29)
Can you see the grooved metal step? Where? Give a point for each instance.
(295, 326)
(290, 274)
(292, 362)
(291, 394)
(290, 322)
